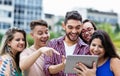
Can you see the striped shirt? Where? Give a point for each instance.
(6, 66)
(58, 44)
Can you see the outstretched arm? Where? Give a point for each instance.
(27, 61)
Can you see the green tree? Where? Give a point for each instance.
(1, 35)
(108, 28)
(29, 40)
(117, 29)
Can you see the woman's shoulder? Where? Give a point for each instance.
(4, 59)
(114, 63)
(115, 66)
(115, 60)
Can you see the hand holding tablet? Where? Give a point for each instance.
(72, 60)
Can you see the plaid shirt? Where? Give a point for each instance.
(58, 44)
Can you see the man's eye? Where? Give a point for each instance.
(40, 33)
(69, 27)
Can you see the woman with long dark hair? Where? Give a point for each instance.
(108, 61)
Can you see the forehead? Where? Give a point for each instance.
(96, 40)
(18, 35)
(73, 23)
(40, 28)
(87, 25)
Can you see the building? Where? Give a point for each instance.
(19, 13)
(50, 18)
(6, 14)
(25, 11)
(54, 22)
(99, 16)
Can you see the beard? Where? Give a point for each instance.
(72, 37)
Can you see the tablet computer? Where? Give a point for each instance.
(72, 60)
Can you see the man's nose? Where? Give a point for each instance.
(74, 31)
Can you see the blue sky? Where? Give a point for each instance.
(60, 7)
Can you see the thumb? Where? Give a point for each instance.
(94, 65)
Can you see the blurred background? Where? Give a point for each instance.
(19, 13)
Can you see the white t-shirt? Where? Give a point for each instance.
(69, 49)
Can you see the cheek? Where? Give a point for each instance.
(91, 49)
(102, 51)
(48, 35)
(13, 45)
(92, 32)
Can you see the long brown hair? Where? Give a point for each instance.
(107, 43)
(5, 49)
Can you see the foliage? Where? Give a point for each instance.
(107, 27)
(54, 35)
(117, 29)
(113, 35)
(29, 40)
(1, 35)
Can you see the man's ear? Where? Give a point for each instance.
(63, 25)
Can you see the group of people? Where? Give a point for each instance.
(48, 58)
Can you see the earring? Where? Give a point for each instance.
(8, 49)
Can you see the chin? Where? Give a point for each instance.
(43, 45)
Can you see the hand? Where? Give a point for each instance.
(84, 71)
(63, 59)
(48, 51)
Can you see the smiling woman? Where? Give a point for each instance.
(88, 29)
(13, 42)
(108, 61)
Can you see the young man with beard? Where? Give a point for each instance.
(70, 44)
(32, 58)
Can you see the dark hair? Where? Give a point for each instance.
(72, 15)
(106, 42)
(94, 26)
(38, 23)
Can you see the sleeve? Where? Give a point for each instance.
(87, 50)
(4, 67)
(48, 60)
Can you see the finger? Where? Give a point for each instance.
(50, 53)
(94, 65)
(77, 70)
(82, 66)
(63, 57)
(56, 52)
